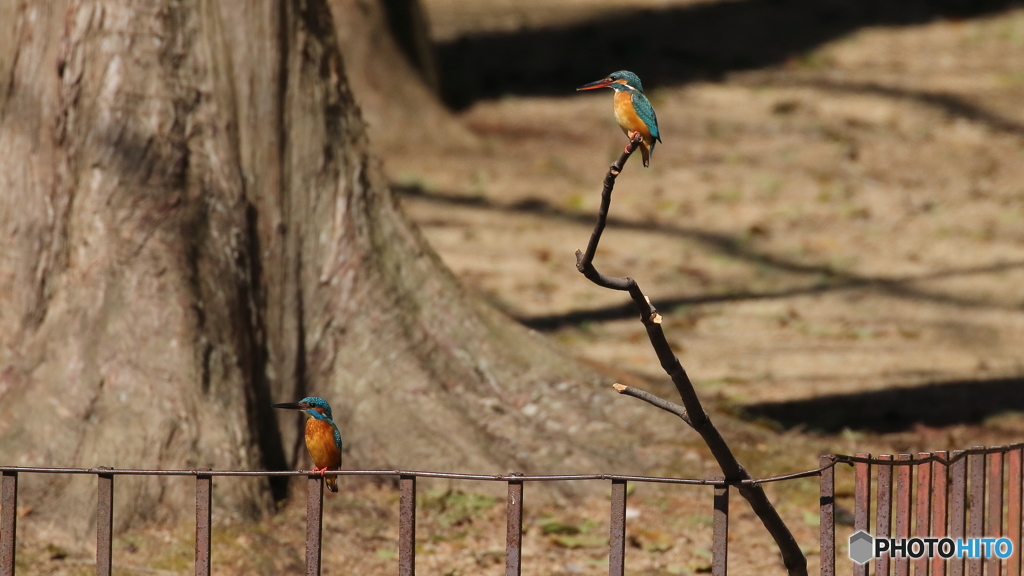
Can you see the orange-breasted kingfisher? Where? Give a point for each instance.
(323, 440)
(633, 111)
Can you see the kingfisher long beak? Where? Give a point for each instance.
(598, 84)
(291, 406)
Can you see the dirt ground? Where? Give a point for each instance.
(849, 221)
(836, 243)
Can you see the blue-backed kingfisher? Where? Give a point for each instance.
(323, 440)
(633, 111)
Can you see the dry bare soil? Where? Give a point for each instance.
(836, 242)
(842, 232)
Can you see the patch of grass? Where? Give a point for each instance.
(698, 521)
(574, 541)
(450, 508)
(415, 181)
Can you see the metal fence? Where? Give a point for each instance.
(964, 494)
(944, 492)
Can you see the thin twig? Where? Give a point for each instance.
(670, 407)
(698, 419)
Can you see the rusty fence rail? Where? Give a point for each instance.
(937, 493)
(960, 494)
(407, 511)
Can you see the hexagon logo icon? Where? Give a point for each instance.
(861, 545)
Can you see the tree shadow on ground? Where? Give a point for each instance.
(671, 46)
(952, 105)
(821, 278)
(898, 409)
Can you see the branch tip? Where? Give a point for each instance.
(620, 388)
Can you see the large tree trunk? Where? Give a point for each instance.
(192, 229)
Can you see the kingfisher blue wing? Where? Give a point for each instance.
(337, 436)
(646, 113)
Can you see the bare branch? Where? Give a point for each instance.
(696, 417)
(670, 407)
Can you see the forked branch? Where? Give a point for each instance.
(691, 411)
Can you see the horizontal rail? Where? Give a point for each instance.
(833, 460)
(400, 473)
(940, 458)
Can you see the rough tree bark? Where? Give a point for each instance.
(191, 228)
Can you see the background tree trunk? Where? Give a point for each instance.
(391, 68)
(192, 229)
(408, 23)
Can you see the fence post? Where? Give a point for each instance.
(1013, 509)
(976, 526)
(8, 522)
(883, 514)
(862, 504)
(924, 510)
(994, 514)
(904, 487)
(617, 530)
(720, 531)
(514, 532)
(104, 522)
(203, 496)
(314, 523)
(940, 514)
(957, 508)
(827, 516)
(407, 527)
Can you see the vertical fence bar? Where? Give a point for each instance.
(994, 512)
(883, 515)
(8, 522)
(617, 530)
(204, 484)
(720, 532)
(976, 524)
(904, 478)
(314, 523)
(862, 504)
(923, 518)
(957, 508)
(514, 533)
(104, 523)
(1013, 509)
(407, 526)
(827, 516)
(940, 491)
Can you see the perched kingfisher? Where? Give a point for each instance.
(633, 111)
(323, 440)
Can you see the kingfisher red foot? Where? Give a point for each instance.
(323, 440)
(633, 111)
